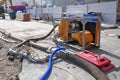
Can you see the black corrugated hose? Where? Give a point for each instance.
(41, 38)
(90, 68)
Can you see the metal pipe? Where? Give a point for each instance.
(84, 20)
(20, 44)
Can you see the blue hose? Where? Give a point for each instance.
(46, 74)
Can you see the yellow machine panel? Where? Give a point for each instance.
(64, 24)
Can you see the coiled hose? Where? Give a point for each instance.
(47, 72)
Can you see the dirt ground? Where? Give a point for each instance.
(9, 69)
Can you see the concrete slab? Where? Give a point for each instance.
(62, 70)
(25, 30)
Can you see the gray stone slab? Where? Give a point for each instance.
(61, 71)
(25, 30)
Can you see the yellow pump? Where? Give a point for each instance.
(73, 31)
(78, 37)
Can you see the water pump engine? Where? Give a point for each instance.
(73, 29)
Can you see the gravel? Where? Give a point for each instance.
(9, 70)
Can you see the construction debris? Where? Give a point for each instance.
(9, 69)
